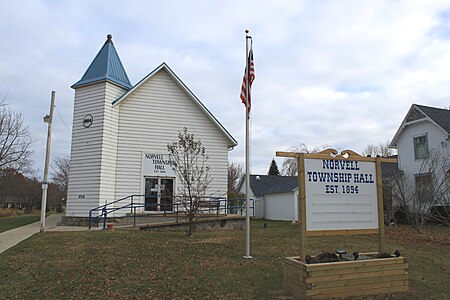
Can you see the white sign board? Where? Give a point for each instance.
(340, 194)
(158, 165)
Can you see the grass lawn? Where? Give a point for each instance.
(7, 223)
(131, 264)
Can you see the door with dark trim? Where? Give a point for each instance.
(166, 199)
(159, 194)
(151, 194)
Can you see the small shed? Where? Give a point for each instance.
(275, 197)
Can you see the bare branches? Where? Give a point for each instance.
(188, 156)
(419, 194)
(15, 140)
(60, 168)
(15, 149)
(382, 149)
(234, 176)
(290, 167)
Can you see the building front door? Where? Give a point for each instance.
(159, 194)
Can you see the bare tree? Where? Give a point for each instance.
(382, 149)
(6, 179)
(60, 174)
(441, 188)
(235, 199)
(290, 166)
(15, 152)
(417, 195)
(234, 176)
(60, 168)
(188, 155)
(31, 193)
(15, 140)
(7, 184)
(22, 191)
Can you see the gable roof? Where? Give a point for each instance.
(106, 66)
(270, 184)
(418, 113)
(439, 115)
(232, 142)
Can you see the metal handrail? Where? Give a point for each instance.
(217, 206)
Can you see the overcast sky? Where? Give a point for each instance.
(336, 73)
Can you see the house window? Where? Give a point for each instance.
(421, 146)
(424, 187)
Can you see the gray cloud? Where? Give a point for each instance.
(341, 74)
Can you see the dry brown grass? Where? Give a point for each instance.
(10, 212)
(122, 264)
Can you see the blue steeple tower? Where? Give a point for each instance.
(106, 66)
(95, 131)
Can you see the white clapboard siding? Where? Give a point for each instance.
(109, 146)
(150, 118)
(93, 153)
(405, 145)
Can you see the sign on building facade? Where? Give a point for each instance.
(156, 164)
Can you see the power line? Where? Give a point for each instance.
(59, 114)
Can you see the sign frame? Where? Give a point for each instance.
(346, 155)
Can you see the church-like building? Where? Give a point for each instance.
(121, 131)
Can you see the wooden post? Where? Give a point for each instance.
(47, 119)
(302, 205)
(381, 243)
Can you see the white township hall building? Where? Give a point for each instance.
(120, 135)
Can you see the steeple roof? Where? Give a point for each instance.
(106, 66)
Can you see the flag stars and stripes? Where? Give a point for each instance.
(250, 73)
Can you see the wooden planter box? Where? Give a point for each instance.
(348, 278)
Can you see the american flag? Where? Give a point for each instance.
(251, 74)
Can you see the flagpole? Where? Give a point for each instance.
(247, 152)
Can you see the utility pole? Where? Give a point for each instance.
(47, 119)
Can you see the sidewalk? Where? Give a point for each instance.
(12, 237)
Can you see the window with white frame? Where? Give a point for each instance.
(421, 146)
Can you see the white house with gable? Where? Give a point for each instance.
(424, 131)
(424, 128)
(121, 131)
